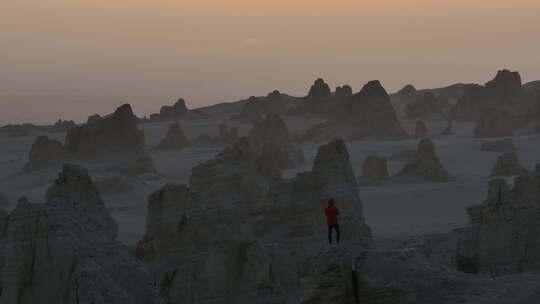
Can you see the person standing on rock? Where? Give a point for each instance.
(331, 213)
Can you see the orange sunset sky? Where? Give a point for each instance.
(72, 58)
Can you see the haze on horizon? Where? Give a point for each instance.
(72, 58)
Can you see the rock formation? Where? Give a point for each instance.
(502, 94)
(425, 165)
(494, 124)
(15, 131)
(64, 250)
(114, 134)
(343, 94)
(426, 105)
(93, 118)
(319, 99)
(373, 114)
(256, 108)
(174, 139)
(507, 165)
(63, 126)
(406, 90)
(45, 152)
(235, 236)
(173, 112)
(269, 141)
(503, 235)
(502, 146)
(374, 168)
(420, 130)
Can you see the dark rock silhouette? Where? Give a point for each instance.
(113, 134)
(63, 126)
(426, 105)
(45, 152)
(507, 165)
(93, 118)
(421, 130)
(373, 115)
(174, 139)
(426, 165)
(319, 100)
(343, 93)
(408, 89)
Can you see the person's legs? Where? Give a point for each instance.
(330, 234)
(337, 232)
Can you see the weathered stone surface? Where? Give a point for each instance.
(425, 165)
(45, 152)
(374, 168)
(227, 246)
(494, 124)
(270, 145)
(503, 94)
(507, 165)
(503, 146)
(421, 129)
(64, 251)
(114, 134)
(329, 279)
(426, 105)
(174, 139)
(373, 114)
(408, 89)
(504, 234)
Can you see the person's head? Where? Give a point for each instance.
(331, 202)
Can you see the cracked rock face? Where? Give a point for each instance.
(174, 139)
(228, 247)
(65, 250)
(425, 165)
(45, 152)
(270, 145)
(113, 134)
(507, 165)
(504, 232)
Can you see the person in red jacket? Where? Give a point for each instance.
(331, 213)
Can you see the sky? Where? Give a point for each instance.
(72, 58)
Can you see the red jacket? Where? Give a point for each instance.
(331, 213)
